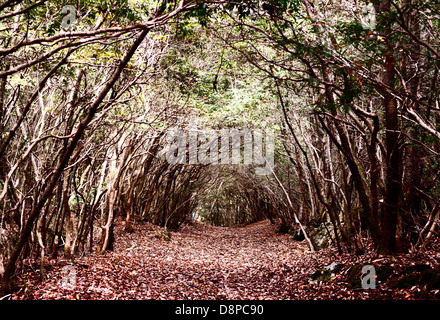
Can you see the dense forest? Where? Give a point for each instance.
(336, 103)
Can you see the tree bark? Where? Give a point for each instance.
(393, 173)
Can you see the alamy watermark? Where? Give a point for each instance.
(226, 146)
(368, 17)
(69, 19)
(69, 280)
(368, 277)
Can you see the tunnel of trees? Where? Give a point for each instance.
(87, 98)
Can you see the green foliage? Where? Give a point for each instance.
(202, 13)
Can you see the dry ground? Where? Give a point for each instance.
(205, 262)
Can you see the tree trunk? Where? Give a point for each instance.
(107, 236)
(393, 158)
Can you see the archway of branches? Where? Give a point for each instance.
(221, 195)
(234, 197)
(83, 116)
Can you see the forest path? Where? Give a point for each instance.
(206, 262)
(197, 262)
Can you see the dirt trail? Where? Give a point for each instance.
(201, 262)
(198, 262)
